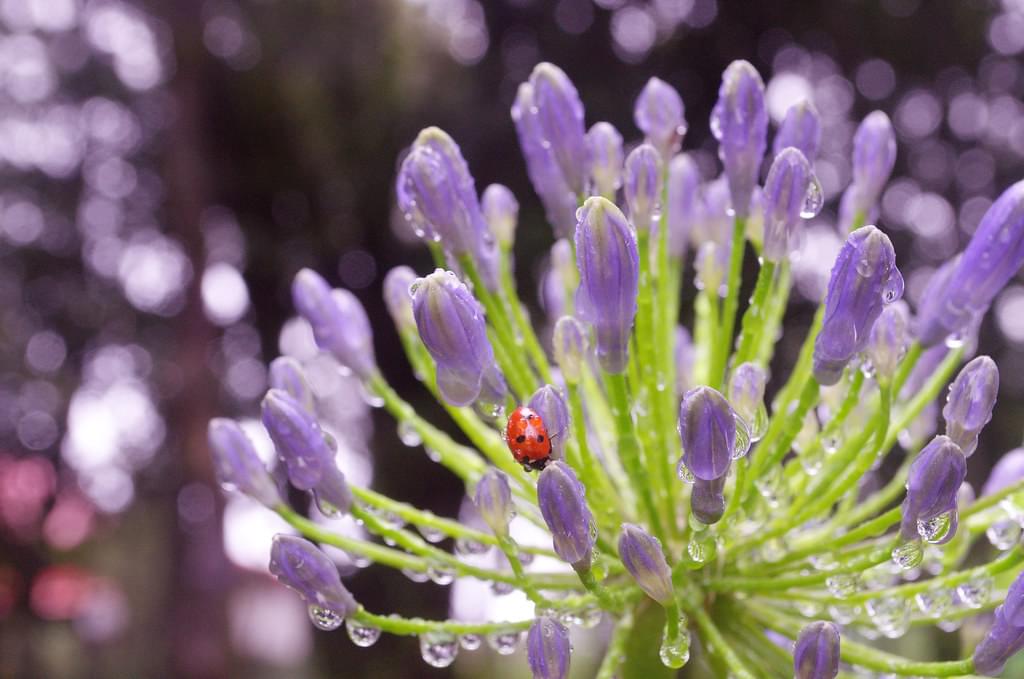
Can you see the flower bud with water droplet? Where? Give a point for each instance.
(874, 154)
(548, 648)
(1002, 642)
(564, 508)
(791, 194)
(609, 266)
(300, 565)
(801, 129)
(970, 401)
(550, 405)
(237, 463)
(339, 322)
(559, 114)
(643, 557)
(683, 202)
(739, 122)
(707, 431)
(493, 500)
(888, 340)
(451, 324)
(864, 278)
(642, 185)
(816, 655)
(746, 395)
(569, 341)
(707, 501)
(303, 447)
(501, 212)
(659, 113)
(398, 298)
(932, 484)
(286, 374)
(604, 159)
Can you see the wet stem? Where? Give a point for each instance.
(724, 342)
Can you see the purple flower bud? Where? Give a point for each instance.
(286, 374)
(642, 187)
(801, 129)
(437, 194)
(686, 356)
(451, 325)
(1013, 606)
(707, 500)
(304, 449)
(570, 348)
(683, 203)
(932, 485)
(237, 464)
(970, 401)
(609, 268)
(746, 391)
(558, 279)
(643, 557)
(1008, 470)
(493, 501)
(565, 511)
(659, 114)
(604, 153)
(874, 154)
(1002, 642)
(559, 114)
(398, 298)
(816, 655)
(301, 566)
(739, 122)
(714, 225)
(993, 256)
(863, 280)
(791, 194)
(888, 339)
(339, 322)
(501, 211)
(549, 404)
(707, 430)
(548, 649)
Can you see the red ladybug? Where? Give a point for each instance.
(527, 438)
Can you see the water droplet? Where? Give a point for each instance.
(360, 634)
(975, 592)
(773, 550)
(675, 652)
(325, 507)
(937, 528)
(908, 555)
(843, 615)
(469, 547)
(438, 649)
(1003, 534)
(808, 609)
(470, 642)
(324, 618)
(842, 585)
(759, 426)
(891, 616)
(697, 551)
(441, 575)
(415, 576)
(369, 398)
(526, 558)
(935, 603)
(865, 267)
(501, 588)
(408, 435)
(955, 340)
(505, 643)
(824, 562)
(742, 444)
(431, 534)
(813, 199)
(590, 617)
(686, 475)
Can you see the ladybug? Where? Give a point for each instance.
(528, 439)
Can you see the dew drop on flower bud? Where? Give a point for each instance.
(438, 649)
(908, 555)
(324, 618)
(362, 635)
(814, 199)
(935, 529)
(742, 442)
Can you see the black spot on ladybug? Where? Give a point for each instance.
(520, 439)
(540, 438)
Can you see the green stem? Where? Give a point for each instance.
(717, 644)
(615, 654)
(604, 498)
(777, 301)
(511, 298)
(724, 341)
(755, 317)
(393, 624)
(608, 603)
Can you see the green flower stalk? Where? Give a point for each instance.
(690, 497)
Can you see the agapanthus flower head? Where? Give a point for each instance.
(501, 212)
(548, 648)
(570, 348)
(609, 268)
(605, 158)
(991, 259)
(707, 431)
(451, 325)
(660, 115)
(398, 297)
(874, 154)
(642, 555)
(888, 340)
(301, 566)
(791, 194)
(801, 129)
(238, 465)
(643, 180)
(339, 322)
(550, 405)
(493, 501)
(739, 122)
(933, 481)
(683, 202)
(564, 508)
(286, 374)
(303, 447)
(864, 279)
(816, 655)
(970, 401)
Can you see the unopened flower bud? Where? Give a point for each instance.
(548, 648)
(564, 508)
(874, 154)
(339, 322)
(605, 159)
(570, 348)
(609, 268)
(888, 340)
(643, 179)
(816, 655)
(501, 212)
(1003, 641)
(933, 481)
(1008, 470)
(298, 564)
(560, 118)
(746, 392)
(549, 404)
(707, 500)
(398, 298)
(683, 203)
(643, 557)
(286, 374)
(739, 122)
(659, 113)
(707, 431)
(238, 465)
(493, 501)
(801, 129)
(970, 401)
(791, 194)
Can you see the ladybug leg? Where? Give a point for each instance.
(528, 467)
(539, 465)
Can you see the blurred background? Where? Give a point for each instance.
(167, 166)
